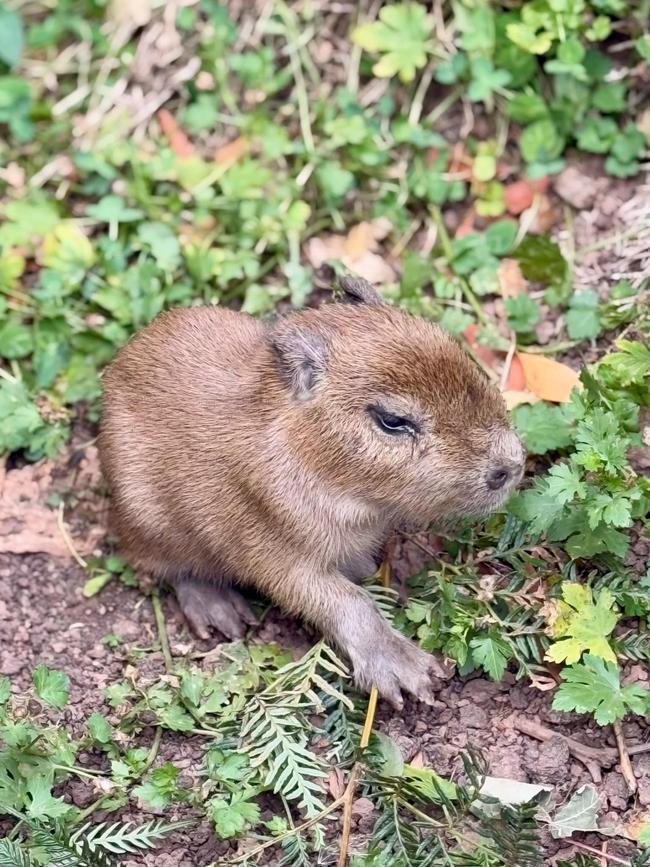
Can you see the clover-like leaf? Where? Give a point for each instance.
(402, 37)
(582, 624)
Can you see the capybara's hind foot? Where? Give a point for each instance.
(218, 606)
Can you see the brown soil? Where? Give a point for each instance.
(45, 618)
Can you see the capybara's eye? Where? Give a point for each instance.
(394, 425)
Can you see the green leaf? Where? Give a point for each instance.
(630, 365)
(527, 107)
(485, 79)
(5, 690)
(582, 624)
(96, 582)
(160, 788)
(112, 209)
(523, 313)
(594, 686)
(540, 260)
(610, 97)
(500, 237)
(492, 653)
(12, 37)
(619, 169)
(580, 814)
(333, 180)
(543, 426)
(402, 36)
(541, 142)
(564, 484)
(597, 135)
(40, 802)
(528, 38)
(163, 243)
(582, 318)
(629, 145)
(99, 728)
(68, 250)
(192, 685)
(51, 686)
(16, 340)
(231, 818)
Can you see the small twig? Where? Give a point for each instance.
(67, 538)
(162, 631)
(153, 751)
(348, 795)
(626, 764)
(507, 364)
(592, 758)
(296, 69)
(415, 111)
(613, 858)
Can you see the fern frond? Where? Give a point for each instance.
(63, 853)
(634, 646)
(296, 852)
(122, 838)
(12, 854)
(313, 670)
(515, 834)
(385, 598)
(274, 738)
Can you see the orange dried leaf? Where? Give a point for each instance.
(511, 281)
(178, 140)
(466, 225)
(518, 196)
(358, 251)
(548, 379)
(486, 355)
(360, 240)
(514, 398)
(231, 153)
(516, 377)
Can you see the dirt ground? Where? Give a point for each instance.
(45, 618)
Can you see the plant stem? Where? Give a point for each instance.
(162, 631)
(445, 244)
(153, 751)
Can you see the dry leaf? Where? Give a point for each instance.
(542, 682)
(488, 356)
(466, 225)
(417, 761)
(129, 13)
(356, 251)
(229, 154)
(335, 783)
(518, 197)
(511, 281)
(27, 525)
(548, 379)
(178, 140)
(516, 377)
(544, 216)
(634, 827)
(514, 398)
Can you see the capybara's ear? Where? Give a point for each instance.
(301, 353)
(356, 290)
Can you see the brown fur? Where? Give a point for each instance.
(238, 450)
